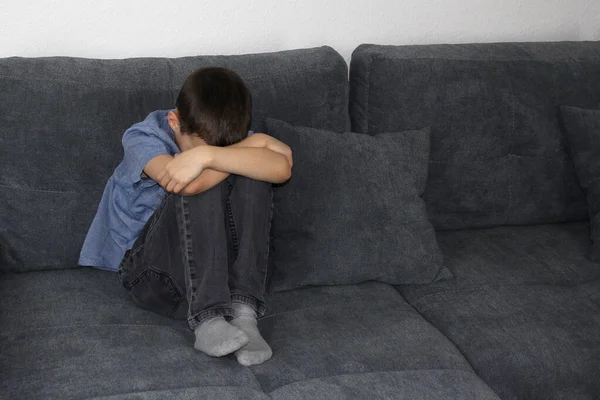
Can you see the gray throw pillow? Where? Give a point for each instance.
(352, 211)
(582, 130)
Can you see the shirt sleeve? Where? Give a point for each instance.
(139, 147)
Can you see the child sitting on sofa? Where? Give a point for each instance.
(185, 217)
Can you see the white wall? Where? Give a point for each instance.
(132, 28)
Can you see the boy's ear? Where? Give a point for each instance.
(173, 119)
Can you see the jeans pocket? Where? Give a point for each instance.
(156, 291)
(125, 268)
(130, 265)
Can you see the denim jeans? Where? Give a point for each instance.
(199, 253)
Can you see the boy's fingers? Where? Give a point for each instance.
(166, 179)
(178, 188)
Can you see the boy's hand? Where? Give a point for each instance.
(184, 168)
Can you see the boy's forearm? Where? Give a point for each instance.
(209, 178)
(256, 163)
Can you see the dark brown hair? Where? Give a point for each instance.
(215, 105)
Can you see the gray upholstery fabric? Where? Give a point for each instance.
(325, 331)
(73, 333)
(497, 154)
(525, 341)
(413, 385)
(524, 308)
(352, 210)
(209, 392)
(552, 254)
(62, 119)
(582, 129)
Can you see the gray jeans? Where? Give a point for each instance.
(199, 253)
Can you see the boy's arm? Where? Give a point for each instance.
(254, 162)
(207, 179)
(212, 175)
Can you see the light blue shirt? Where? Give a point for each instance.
(129, 200)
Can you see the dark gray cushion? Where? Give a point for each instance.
(552, 254)
(352, 210)
(207, 392)
(413, 385)
(523, 308)
(73, 333)
(497, 153)
(582, 129)
(525, 341)
(62, 119)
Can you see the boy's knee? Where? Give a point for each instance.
(252, 184)
(206, 199)
(259, 190)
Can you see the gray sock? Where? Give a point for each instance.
(217, 337)
(257, 350)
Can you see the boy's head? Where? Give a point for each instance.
(215, 105)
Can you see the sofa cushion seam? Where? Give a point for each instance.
(467, 372)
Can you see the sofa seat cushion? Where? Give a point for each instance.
(320, 332)
(413, 385)
(74, 333)
(524, 308)
(513, 255)
(207, 392)
(531, 341)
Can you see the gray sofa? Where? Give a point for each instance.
(519, 319)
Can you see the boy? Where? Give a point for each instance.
(185, 217)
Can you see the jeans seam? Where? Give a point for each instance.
(176, 298)
(185, 243)
(231, 222)
(258, 306)
(128, 256)
(220, 311)
(138, 278)
(266, 266)
(173, 312)
(157, 215)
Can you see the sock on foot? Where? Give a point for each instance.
(217, 337)
(257, 350)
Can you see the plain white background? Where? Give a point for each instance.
(134, 28)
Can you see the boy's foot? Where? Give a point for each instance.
(257, 351)
(217, 337)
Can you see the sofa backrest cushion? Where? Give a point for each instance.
(61, 122)
(497, 153)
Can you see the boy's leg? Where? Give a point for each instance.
(152, 270)
(249, 210)
(203, 236)
(181, 256)
(203, 250)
